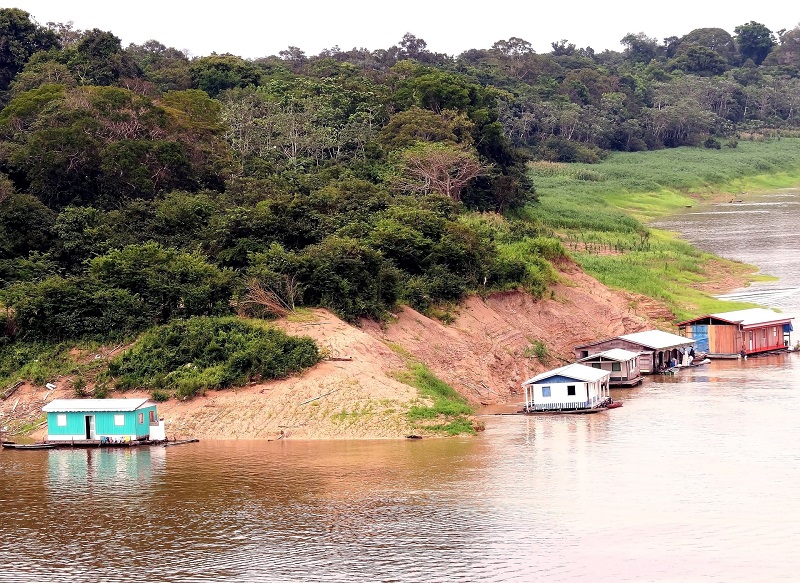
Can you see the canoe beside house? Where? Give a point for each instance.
(103, 421)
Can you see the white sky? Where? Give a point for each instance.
(255, 29)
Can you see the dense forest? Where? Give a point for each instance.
(139, 186)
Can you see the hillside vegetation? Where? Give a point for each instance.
(143, 189)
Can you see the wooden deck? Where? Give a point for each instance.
(99, 443)
(627, 383)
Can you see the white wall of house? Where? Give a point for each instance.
(537, 394)
(627, 369)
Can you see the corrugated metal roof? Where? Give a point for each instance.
(752, 316)
(657, 339)
(618, 354)
(575, 371)
(749, 317)
(105, 405)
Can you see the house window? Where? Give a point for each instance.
(141, 418)
(152, 416)
(616, 366)
(775, 331)
(595, 365)
(119, 420)
(584, 353)
(545, 391)
(571, 390)
(61, 420)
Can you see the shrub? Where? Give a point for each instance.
(100, 391)
(159, 396)
(210, 353)
(538, 350)
(79, 387)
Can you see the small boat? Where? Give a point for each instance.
(698, 363)
(11, 445)
(614, 405)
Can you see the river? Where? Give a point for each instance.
(694, 479)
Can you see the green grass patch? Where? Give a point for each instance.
(41, 363)
(359, 412)
(600, 221)
(189, 356)
(537, 350)
(449, 412)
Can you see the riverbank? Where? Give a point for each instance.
(600, 212)
(644, 278)
(362, 390)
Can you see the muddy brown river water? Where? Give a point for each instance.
(694, 479)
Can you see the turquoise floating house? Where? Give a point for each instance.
(103, 420)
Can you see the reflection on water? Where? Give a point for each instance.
(694, 479)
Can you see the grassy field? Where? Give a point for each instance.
(599, 211)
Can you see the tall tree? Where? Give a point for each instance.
(20, 37)
(437, 168)
(755, 41)
(640, 48)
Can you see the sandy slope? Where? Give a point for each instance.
(481, 354)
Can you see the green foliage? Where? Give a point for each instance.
(190, 356)
(125, 291)
(449, 408)
(168, 283)
(100, 391)
(597, 218)
(25, 226)
(20, 37)
(537, 350)
(79, 387)
(59, 309)
(755, 41)
(98, 59)
(348, 277)
(159, 395)
(40, 362)
(106, 144)
(215, 73)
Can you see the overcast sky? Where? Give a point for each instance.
(255, 29)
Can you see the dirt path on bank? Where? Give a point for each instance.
(484, 354)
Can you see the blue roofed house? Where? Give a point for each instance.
(103, 420)
(572, 387)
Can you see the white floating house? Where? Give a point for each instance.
(569, 388)
(622, 364)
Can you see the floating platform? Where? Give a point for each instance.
(94, 443)
(626, 384)
(565, 411)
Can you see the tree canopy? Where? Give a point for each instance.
(139, 185)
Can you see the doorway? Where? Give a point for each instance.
(90, 434)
